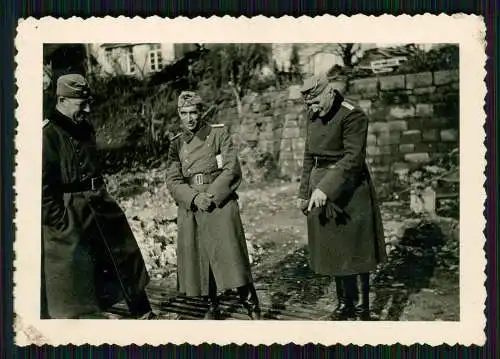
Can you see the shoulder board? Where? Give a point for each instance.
(45, 122)
(176, 136)
(347, 105)
(217, 125)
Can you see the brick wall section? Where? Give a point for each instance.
(413, 117)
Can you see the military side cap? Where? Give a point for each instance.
(314, 86)
(72, 86)
(189, 98)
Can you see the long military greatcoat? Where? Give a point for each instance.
(90, 258)
(352, 243)
(212, 239)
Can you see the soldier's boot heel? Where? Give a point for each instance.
(249, 299)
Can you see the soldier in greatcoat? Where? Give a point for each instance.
(203, 175)
(345, 233)
(90, 258)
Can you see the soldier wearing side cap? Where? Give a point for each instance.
(90, 258)
(345, 233)
(203, 175)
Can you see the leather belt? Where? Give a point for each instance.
(202, 178)
(89, 184)
(324, 162)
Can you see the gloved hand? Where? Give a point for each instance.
(203, 201)
(332, 211)
(329, 212)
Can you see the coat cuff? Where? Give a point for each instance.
(331, 185)
(220, 196)
(188, 198)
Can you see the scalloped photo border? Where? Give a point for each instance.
(466, 30)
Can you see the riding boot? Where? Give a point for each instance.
(339, 312)
(248, 297)
(140, 307)
(363, 309)
(213, 312)
(351, 294)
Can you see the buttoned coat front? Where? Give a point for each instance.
(352, 243)
(90, 258)
(213, 239)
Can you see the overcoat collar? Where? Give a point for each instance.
(80, 131)
(202, 133)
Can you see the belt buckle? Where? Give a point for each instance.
(198, 178)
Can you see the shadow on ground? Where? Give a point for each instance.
(410, 269)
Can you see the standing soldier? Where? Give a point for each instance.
(203, 175)
(90, 259)
(345, 232)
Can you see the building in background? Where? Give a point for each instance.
(138, 60)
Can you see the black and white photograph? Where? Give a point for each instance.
(265, 181)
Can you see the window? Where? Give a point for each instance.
(130, 67)
(121, 59)
(155, 58)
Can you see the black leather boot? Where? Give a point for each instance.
(340, 311)
(363, 309)
(214, 312)
(347, 305)
(250, 300)
(140, 307)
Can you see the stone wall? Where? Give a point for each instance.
(413, 117)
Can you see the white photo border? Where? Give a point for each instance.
(466, 30)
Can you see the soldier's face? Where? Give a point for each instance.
(75, 108)
(320, 105)
(190, 117)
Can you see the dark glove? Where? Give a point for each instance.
(329, 212)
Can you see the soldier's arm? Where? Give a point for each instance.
(307, 166)
(182, 193)
(230, 178)
(52, 198)
(355, 127)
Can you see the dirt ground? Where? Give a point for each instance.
(413, 285)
